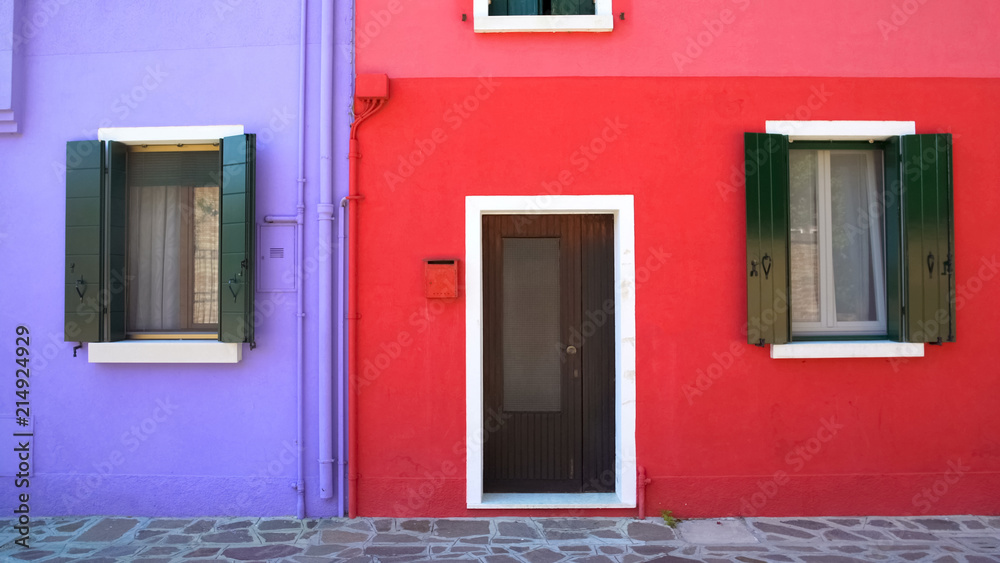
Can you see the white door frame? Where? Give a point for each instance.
(621, 206)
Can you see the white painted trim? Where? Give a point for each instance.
(195, 134)
(9, 61)
(622, 207)
(482, 22)
(847, 349)
(164, 352)
(551, 500)
(840, 130)
(508, 24)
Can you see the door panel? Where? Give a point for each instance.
(549, 372)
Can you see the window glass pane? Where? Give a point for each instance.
(206, 256)
(173, 234)
(569, 7)
(532, 352)
(803, 171)
(855, 210)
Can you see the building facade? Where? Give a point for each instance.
(556, 258)
(718, 258)
(169, 197)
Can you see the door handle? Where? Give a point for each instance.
(571, 350)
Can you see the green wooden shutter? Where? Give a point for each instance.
(84, 229)
(928, 238)
(236, 275)
(116, 239)
(894, 271)
(767, 238)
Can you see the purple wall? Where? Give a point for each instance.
(178, 440)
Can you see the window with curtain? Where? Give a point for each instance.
(173, 241)
(541, 7)
(836, 242)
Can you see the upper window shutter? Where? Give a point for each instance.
(236, 275)
(928, 238)
(116, 239)
(767, 238)
(84, 228)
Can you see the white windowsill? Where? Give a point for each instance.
(847, 349)
(602, 20)
(502, 24)
(164, 352)
(551, 500)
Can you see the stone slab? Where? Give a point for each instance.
(724, 531)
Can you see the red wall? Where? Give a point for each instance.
(708, 445)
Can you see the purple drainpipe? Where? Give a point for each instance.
(299, 220)
(300, 307)
(325, 284)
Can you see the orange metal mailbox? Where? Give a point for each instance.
(441, 278)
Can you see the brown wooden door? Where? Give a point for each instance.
(548, 342)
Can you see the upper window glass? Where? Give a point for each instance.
(541, 7)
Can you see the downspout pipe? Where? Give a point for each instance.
(324, 213)
(300, 315)
(300, 304)
(365, 107)
(641, 483)
(341, 360)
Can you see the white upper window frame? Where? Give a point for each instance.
(843, 131)
(603, 20)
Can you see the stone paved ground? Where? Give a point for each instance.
(114, 539)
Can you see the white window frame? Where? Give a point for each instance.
(10, 59)
(603, 20)
(843, 131)
(621, 206)
(828, 323)
(166, 351)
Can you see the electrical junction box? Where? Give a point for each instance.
(276, 272)
(371, 86)
(441, 279)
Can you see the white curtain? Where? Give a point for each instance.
(852, 236)
(154, 288)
